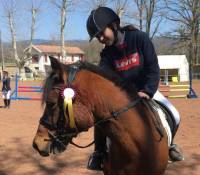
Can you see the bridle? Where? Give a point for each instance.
(64, 136)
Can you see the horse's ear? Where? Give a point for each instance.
(55, 64)
(57, 67)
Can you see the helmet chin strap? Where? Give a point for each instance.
(115, 32)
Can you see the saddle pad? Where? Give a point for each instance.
(165, 125)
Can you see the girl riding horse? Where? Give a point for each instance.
(130, 53)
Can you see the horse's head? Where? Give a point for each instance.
(65, 115)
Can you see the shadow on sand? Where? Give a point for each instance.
(21, 159)
(188, 166)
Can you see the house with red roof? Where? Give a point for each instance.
(41, 53)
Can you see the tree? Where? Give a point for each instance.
(149, 15)
(2, 55)
(34, 11)
(186, 13)
(64, 7)
(140, 8)
(91, 50)
(89, 5)
(120, 6)
(10, 9)
(10, 12)
(86, 6)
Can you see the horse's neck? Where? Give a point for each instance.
(100, 95)
(109, 98)
(103, 98)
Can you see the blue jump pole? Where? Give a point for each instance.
(16, 86)
(30, 87)
(192, 93)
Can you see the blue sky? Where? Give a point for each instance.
(47, 22)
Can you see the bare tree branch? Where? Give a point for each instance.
(89, 5)
(149, 12)
(120, 7)
(187, 13)
(64, 7)
(10, 12)
(140, 6)
(156, 28)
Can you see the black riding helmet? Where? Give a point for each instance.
(99, 19)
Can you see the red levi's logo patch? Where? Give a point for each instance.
(128, 62)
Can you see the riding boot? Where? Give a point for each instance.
(96, 159)
(8, 103)
(5, 103)
(174, 152)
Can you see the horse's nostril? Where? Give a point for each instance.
(35, 146)
(42, 153)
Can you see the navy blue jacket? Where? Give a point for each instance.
(6, 84)
(135, 60)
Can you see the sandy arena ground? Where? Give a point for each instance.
(19, 123)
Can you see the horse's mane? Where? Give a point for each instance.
(108, 74)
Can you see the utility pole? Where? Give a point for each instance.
(2, 57)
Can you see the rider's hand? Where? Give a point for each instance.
(143, 95)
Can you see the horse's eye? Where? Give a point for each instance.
(51, 105)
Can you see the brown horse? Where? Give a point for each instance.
(102, 99)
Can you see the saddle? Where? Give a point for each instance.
(169, 117)
(163, 118)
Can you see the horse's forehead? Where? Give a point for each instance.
(52, 95)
